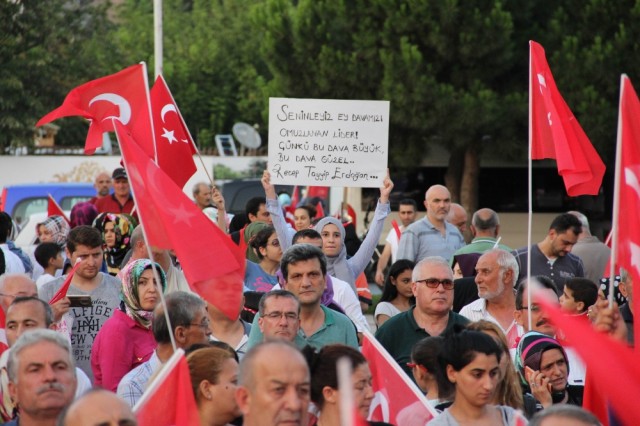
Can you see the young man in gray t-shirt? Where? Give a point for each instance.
(85, 242)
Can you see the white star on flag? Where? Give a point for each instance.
(169, 136)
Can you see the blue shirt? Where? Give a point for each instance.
(421, 239)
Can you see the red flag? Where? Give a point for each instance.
(397, 399)
(54, 209)
(169, 400)
(174, 145)
(396, 228)
(319, 210)
(212, 263)
(619, 378)
(62, 293)
(123, 96)
(555, 132)
(295, 197)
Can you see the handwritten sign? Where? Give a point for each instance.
(328, 142)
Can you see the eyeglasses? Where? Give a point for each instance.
(534, 308)
(289, 316)
(275, 243)
(447, 284)
(205, 324)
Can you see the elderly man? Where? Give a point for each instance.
(24, 314)
(102, 183)
(458, 217)
(11, 287)
(274, 386)
(431, 316)
(304, 270)
(190, 322)
(42, 380)
(497, 271)
(121, 201)
(279, 315)
(99, 407)
(552, 256)
(432, 235)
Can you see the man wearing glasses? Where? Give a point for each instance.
(279, 315)
(431, 316)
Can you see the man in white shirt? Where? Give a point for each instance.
(407, 211)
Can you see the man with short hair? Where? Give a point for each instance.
(279, 315)
(11, 287)
(497, 270)
(85, 243)
(431, 316)
(274, 386)
(99, 407)
(552, 256)
(432, 235)
(407, 210)
(25, 314)
(594, 253)
(102, 183)
(485, 227)
(304, 270)
(190, 323)
(458, 217)
(563, 415)
(578, 295)
(42, 380)
(202, 195)
(121, 201)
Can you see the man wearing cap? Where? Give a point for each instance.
(121, 200)
(542, 364)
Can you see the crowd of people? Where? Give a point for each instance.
(455, 315)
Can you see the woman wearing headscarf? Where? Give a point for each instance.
(333, 234)
(250, 233)
(83, 214)
(53, 229)
(116, 232)
(126, 339)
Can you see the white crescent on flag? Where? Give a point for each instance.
(120, 102)
(166, 109)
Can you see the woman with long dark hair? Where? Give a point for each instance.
(397, 295)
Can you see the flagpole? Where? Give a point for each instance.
(153, 133)
(346, 391)
(530, 196)
(157, 37)
(616, 198)
(149, 253)
(162, 374)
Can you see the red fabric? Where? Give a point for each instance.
(171, 401)
(318, 191)
(54, 209)
(295, 197)
(319, 210)
(555, 132)
(613, 367)
(397, 400)
(174, 145)
(594, 400)
(396, 228)
(62, 293)
(212, 263)
(628, 224)
(109, 204)
(123, 96)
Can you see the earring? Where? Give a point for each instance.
(208, 396)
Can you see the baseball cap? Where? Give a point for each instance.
(119, 173)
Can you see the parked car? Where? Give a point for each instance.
(236, 193)
(21, 201)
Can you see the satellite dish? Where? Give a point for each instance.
(247, 135)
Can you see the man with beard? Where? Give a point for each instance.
(552, 256)
(432, 235)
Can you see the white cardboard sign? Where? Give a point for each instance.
(328, 142)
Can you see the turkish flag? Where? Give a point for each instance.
(212, 263)
(619, 378)
(54, 209)
(555, 132)
(629, 171)
(169, 400)
(123, 96)
(62, 292)
(174, 145)
(397, 399)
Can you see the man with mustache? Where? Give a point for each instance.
(432, 235)
(42, 379)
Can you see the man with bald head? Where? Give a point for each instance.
(103, 185)
(485, 227)
(458, 217)
(432, 235)
(274, 385)
(99, 407)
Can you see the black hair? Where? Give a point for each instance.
(261, 239)
(311, 211)
(83, 235)
(310, 233)
(301, 252)
(409, 202)
(462, 346)
(45, 252)
(390, 291)
(6, 224)
(583, 290)
(565, 221)
(544, 281)
(323, 367)
(253, 205)
(427, 353)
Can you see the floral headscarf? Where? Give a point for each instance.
(123, 227)
(58, 227)
(130, 277)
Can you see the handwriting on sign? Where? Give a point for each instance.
(328, 142)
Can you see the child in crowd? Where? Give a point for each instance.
(49, 256)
